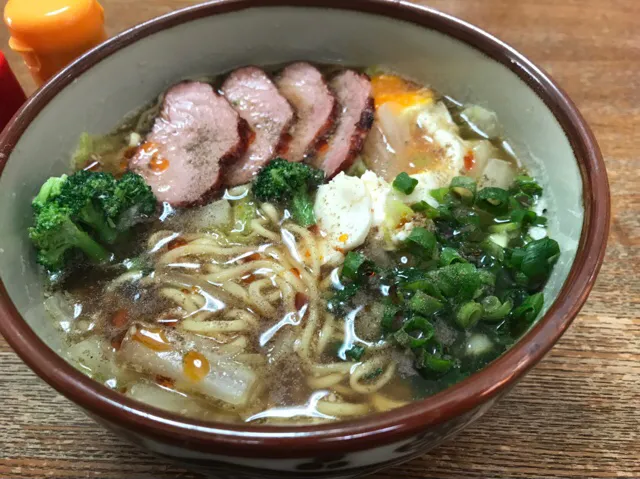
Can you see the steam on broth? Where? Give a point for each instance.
(289, 297)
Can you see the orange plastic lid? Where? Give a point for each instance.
(44, 26)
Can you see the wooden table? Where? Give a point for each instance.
(576, 415)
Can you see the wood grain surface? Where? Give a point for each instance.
(576, 415)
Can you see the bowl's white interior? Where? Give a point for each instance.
(100, 97)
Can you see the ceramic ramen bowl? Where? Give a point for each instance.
(456, 58)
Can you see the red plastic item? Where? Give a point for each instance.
(11, 94)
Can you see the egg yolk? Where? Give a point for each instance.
(392, 88)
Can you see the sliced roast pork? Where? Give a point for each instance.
(196, 133)
(316, 109)
(258, 101)
(353, 91)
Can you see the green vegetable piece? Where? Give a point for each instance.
(244, 211)
(422, 242)
(540, 221)
(402, 338)
(352, 263)
(521, 279)
(494, 310)
(438, 364)
(373, 374)
(56, 236)
(539, 258)
(338, 301)
(469, 314)
(426, 209)
(91, 148)
(504, 227)
(291, 185)
(516, 257)
(528, 185)
(358, 168)
(49, 191)
(524, 217)
(493, 200)
(424, 304)
(107, 206)
(492, 249)
(355, 353)
(450, 256)
(77, 212)
(404, 183)
(132, 202)
(85, 194)
(440, 194)
(390, 312)
(415, 333)
(528, 311)
(426, 285)
(459, 280)
(464, 188)
(487, 277)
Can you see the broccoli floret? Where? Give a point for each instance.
(56, 237)
(85, 194)
(85, 209)
(291, 185)
(48, 191)
(131, 202)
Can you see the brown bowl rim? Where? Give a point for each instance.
(371, 431)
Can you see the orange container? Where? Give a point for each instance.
(49, 34)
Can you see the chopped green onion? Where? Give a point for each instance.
(487, 277)
(440, 194)
(540, 221)
(504, 227)
(464, 188)
(339, 299)
(426, 209)
(521, 279)
(438, 364)
(528, 185)
(424, 304)
(516, 257)
(469, 314)
(530, 308)
(493, 200)
(523, 217)
(539, 257)
(459, 280)
(415, 333)
(404, 183)
(492, 249)
(425, 285)
(422, 242)
(402, 338)
(390, 312)
(494, 310)
(449, 256)
(373, 374)
(352, 263)
(355, 353)
(466, 216)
